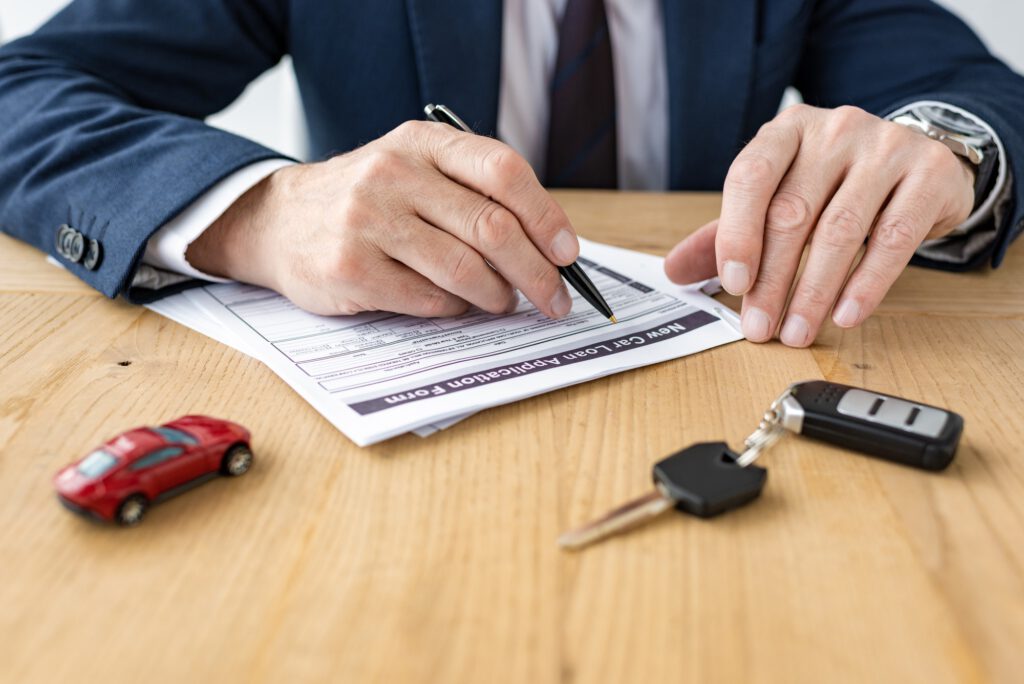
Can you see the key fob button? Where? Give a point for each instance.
(893, 412)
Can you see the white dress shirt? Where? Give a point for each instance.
(529, 50)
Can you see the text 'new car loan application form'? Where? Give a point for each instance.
(377, 375)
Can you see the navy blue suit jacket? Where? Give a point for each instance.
(101, 110)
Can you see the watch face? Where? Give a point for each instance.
(952, 122)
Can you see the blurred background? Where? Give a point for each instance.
(270, 112)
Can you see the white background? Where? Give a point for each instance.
(270, 112)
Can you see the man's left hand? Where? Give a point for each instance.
(825, 180)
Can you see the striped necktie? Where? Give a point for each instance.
(581, 132)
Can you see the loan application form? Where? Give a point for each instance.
(376, 375)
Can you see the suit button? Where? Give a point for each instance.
(93, 254)
(69, 236)
(76, 247)
(61, 233)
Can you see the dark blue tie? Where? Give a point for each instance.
(581, 132)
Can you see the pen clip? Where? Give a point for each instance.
(442, 114)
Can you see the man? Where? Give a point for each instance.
(105, 160)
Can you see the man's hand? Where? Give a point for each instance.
(423, 221)
(824, 179)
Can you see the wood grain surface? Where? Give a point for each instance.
(434, 560)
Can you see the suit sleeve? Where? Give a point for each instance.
(102, 120)
(882, 55)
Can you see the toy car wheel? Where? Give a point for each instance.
(132, 510)
(236, 461)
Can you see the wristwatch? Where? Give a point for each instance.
(965, 137)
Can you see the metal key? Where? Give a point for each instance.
(702, 480)
(872, 423)
(771, 430)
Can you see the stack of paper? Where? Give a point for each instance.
(377, 375)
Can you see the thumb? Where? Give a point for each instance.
(693, 259)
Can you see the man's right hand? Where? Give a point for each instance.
(424, 221)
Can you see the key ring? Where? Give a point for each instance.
(768, 432)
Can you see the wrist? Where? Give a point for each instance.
(239, 244)
(972, 178)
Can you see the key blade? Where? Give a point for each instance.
(623, 518)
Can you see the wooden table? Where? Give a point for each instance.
(435, 559)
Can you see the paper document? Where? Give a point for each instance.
(377, 375)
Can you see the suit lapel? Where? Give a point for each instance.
(458, 55)
(709, 47)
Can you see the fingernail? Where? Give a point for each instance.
(735, 277)
(756, 325)
(561, 303)
(795, 331)
(847, 314)
(565, 247)
(513, 303)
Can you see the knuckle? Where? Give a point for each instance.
(939, 157)
(796, 114)
(850, 115)
(504, 164)
(893, 136)
(434, 303)
(775, 126)
(354, 214)
(870, 282)
(788, 212)
(463, 270)
(348, 264)
(787, 115)
(840, 123)
(495, 227)
(544, 280)
(897, 233)
(346, 307)
(411, 129)
(841, 227)
(549, 220)
(771, 287)
(813, 296)
(750, 172)
(381, 166)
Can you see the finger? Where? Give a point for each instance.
(835, 243)
(495, 170)
(402, 290)
(749, 187)
(693, 259)
(791, 216)
(450, 264)
(903, 224)
(496, 234)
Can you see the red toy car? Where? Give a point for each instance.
(118, 481)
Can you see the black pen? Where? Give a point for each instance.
(572, 273)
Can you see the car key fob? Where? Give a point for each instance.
(877, 424)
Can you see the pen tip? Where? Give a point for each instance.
(568, 541)
(613, 319)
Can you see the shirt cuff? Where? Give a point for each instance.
(981, 227)
(164, 261)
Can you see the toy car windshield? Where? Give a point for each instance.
(97, 463)
(174, 436)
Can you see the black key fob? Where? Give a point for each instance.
(877, 424)
(704, 479)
